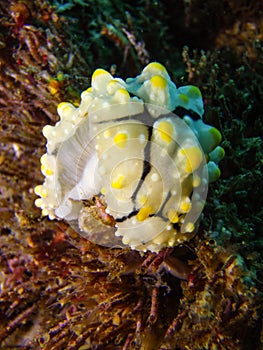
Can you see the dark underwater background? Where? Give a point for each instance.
(60, 291)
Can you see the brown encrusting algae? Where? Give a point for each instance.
(60, 291)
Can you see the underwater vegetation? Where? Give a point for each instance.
(58, 290)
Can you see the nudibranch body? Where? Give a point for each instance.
(125, 145)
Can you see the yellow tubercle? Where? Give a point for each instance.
(113, 86)
(194, 158)
(122, 96)
(120, 139)
(171, 242)
(41, 191)
(144, 213)
(103, 191)
(99, 72)
(99, 79)
(44, 193)
(143, 199)
(43, 159)
(38, 203)
(189, 227)
(196, 181)
(159, 240)
(48, 212)
(194, 92)
(65, 109)
(165, 131)
(185, 206)
(46, 131)
(118, 182)
(155, 67)
(125, 240)
(49, 172)
(183, 98)
(216, 135)
(38, 190)
(158, 82)
(173, 216)
(213, 172)
(46, 171)
(107, 134)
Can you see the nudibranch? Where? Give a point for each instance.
(138, 151)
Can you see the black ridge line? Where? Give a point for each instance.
(145, 172)
(159, 213)
(182, 112)
(146, 164)
(137, 117)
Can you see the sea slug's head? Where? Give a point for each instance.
(123, 168)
